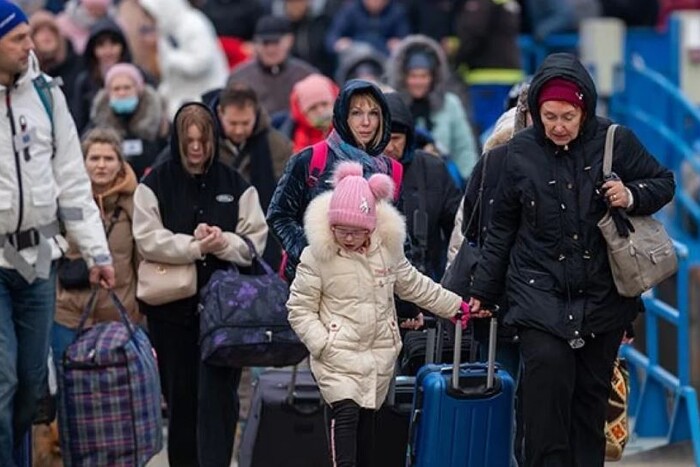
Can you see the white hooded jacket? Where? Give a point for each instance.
(33, 182)
(190, 57)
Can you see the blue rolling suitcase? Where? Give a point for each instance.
(463, 415)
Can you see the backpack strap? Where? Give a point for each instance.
(397, 177)
(319, 156)
(43, 88)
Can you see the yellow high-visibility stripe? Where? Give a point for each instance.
(491, 75)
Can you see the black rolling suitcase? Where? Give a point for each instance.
(23, 452)
(394, 417)
(421, 347)
(286, 426)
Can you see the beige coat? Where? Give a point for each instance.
(71, 303)
(342, 305)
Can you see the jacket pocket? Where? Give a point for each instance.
(5, 200)
(333, 330)
(530, 207)
(43, 196)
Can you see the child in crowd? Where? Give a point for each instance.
(342, 303)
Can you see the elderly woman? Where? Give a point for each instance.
(545, 249)
(113, 185)
(193, 209)
(136, 111)
(361, 131)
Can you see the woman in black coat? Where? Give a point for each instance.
(545, 249)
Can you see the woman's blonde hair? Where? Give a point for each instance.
(366, 97)
(202, 119)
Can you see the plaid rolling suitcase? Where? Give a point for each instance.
(463, 415)
(109, 408)
(286, 426)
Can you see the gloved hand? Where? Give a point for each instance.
(462, 315)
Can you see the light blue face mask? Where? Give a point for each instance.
(124, 105)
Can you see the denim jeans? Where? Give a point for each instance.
(26, 315)
(61, 337)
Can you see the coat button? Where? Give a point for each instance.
(571, 317)
(576, 333)
(580, 291)
(575, 236)
(531, 281)
(570, 186)
(563, 206)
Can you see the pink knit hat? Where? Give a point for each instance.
(313, 89)
(125, 69)
(354, 199)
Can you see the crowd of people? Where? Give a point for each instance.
(169, 130)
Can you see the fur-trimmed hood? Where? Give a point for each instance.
(396, 69)
(390, 231)
(145, 123)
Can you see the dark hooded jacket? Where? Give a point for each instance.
(543, 244)
(427, 187)
(89, 81)
(285, 216)
(186, 200)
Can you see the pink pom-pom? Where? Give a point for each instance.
(346, 169)
(382, 186)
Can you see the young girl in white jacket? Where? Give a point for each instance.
(342, 303)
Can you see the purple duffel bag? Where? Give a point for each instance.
(243, 318)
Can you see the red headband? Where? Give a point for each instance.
(560, 89)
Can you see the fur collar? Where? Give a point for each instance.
(390, 231)
(146, 122)
(396, 73)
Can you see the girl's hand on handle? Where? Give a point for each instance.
(462, 315)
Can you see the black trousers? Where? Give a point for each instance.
(565, 394)
(202, 399)
(350, 434)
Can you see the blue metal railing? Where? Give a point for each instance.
(650, 395)
(669, 126)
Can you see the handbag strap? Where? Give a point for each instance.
(256, 256)
(608, 152)
(90, 308)
(113, 220)
(477, 204)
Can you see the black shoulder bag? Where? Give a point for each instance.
(73, 274)
(458, 277)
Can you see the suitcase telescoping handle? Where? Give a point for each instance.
(491, 364)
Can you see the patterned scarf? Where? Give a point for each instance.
(345, 151)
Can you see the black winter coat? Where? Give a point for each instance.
(184, 201)
(426, 176)
(543, 243)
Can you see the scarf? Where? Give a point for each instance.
(345, 151)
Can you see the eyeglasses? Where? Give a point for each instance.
(354, 233)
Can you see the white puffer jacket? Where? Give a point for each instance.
(32, 187)
(191, 60)
(342, 305)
